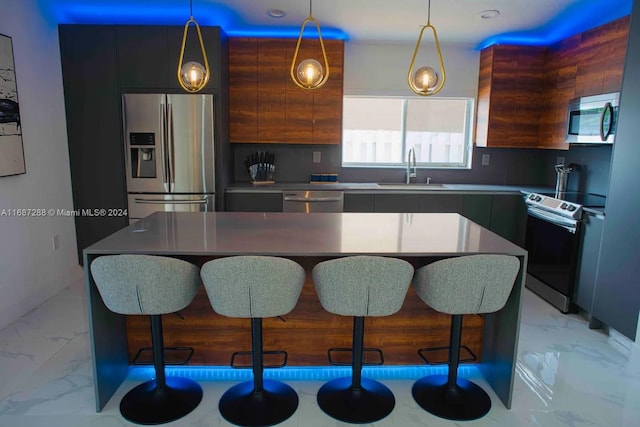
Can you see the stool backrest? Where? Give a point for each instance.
(362, 285)
(252, 286)
(467, 284)
(145, 284)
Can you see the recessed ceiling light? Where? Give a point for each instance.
(489, 14)
(276, 13)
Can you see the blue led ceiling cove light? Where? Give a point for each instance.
(581, 15)
(167, 12)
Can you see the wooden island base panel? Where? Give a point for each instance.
(306, 333)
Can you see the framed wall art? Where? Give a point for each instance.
(11, 151)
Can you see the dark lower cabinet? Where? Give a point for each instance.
(253, 202)
(440, 203)
(617, 295)
(477, 208)
(396, 203)
(92, 102)
(509, 217)
(585, 285)
(358, 202)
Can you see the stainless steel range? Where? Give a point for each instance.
(553, 241)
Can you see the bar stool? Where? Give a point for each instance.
(471, 284)
(360, 286)
(151, 285)
(255, 287)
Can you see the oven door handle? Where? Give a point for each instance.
(567, 224)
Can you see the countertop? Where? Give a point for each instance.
(304, 234)
(372, 187)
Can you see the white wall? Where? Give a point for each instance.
(30, 270)
(380, 68)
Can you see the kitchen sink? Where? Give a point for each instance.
(412, 186)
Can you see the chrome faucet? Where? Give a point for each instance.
(411, 170)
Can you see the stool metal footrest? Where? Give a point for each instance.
(471, 358)
(167, 351)
(264, 353)
(332, 361)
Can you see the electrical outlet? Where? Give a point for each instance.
(317, 156)
(559, 160)
(55, 241)
(485, 159)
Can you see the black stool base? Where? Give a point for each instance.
(241, 406)
(371, 402)
(467, 401)
(148, 405)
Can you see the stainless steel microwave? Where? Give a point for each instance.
(592, 119)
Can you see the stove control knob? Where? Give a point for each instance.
(538, 198)
(532, 196)
(563, 206)
(571, 208)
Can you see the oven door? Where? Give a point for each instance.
(552, 243)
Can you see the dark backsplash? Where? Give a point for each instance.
(507, 166)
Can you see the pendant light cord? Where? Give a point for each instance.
(310, 7)
(191, 8)
(429, 13)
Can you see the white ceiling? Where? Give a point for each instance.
(454, 20)
(375, 20)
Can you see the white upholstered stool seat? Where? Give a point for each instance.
(360, 286)
(151, 285)
(255, 287)
(473, 284)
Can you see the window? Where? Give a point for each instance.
(379, 131)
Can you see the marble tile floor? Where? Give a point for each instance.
(567, 375)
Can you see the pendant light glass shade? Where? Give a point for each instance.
(193, 76)
(310, 74)
(425, 81)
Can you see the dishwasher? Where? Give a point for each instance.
(312, 201)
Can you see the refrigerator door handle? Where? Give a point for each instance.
(171, 143)
(165, 148)
(171, 202)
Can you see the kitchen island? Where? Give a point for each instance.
(306, 238)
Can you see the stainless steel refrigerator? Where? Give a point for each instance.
(169, 152)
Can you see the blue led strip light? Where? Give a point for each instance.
(291, 373)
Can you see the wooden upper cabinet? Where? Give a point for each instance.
(509, 96)
(299, 104)
(267, 107)
(558, 88)
(523, 91)
(243, 89)
(327, 101)
(272, 99)
(601, 58)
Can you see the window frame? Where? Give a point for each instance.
(468, 137)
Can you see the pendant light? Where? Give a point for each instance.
(309, 73)
(425, 81)
(193, 76)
